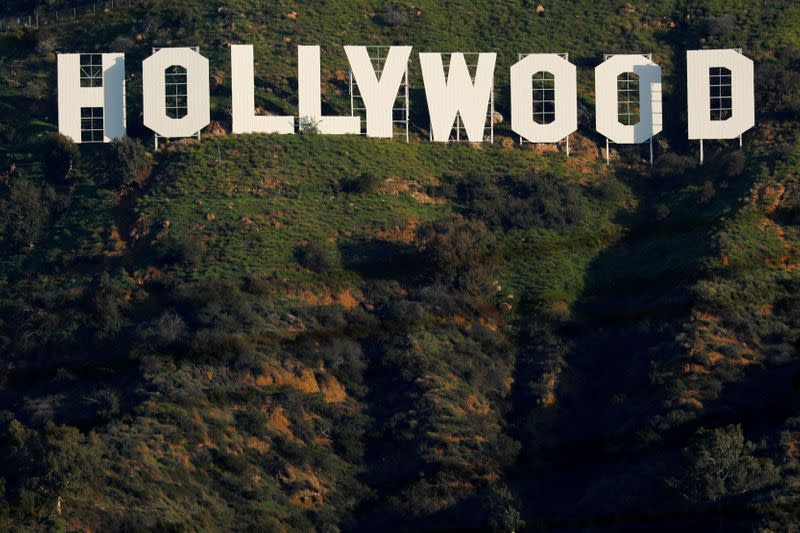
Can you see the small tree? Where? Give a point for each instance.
(127, 160)
(308, 126)
(503, 509)
(363, 183)
(24, 212)
(178, 249)
(52, 462)
(393, 16)
(458, 250)
(707, 193)
(59, 155)
(313, 256)
(720, 463)
(671, 164)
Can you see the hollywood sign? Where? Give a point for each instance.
(176, 95)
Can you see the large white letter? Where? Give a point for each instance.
(564, 94)
(733, 97)
(154, 92)
(379, 96)
(309, 98)
(91, 96)
(457, 94)
(607, 107)
(245, 119)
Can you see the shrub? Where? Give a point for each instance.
(630, 154)
(661, 211)
(313, 256)
(46, 46)
(720, 26)
(308, 126)
(720, 463)
(169, 328)
(122, 43)
(707, 193)
(52, 462)
(458, 250)
(524, 201)
(24, 213)
(107, 303)
(778, 83)
(730, 164)
(127, 159)
(363, 183)
(672, 164)
(59, 155)
(393, 16)
(181, 249)
(610, 189)
(503, 510)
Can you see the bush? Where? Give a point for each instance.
(730, 164)
(503, 510)
(778, 81)
(610, 189)
(128, 158)
(720, 463)
(458, 250)
(313, 256)
(24, 213)
(181, 249)
(308, 126)
(707, 193)
(363, 183)
(107, 303)
(46, 46)
(524, 201)
(672, 164)
(59, 155)
(661, 211)
(122, 43)
(393, 16)
(720, 26)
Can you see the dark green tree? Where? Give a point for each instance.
(128, 159)
(458, 250)
(24, 213)
(720, 463)
(59, 155)
(503, 509)
(53, 463)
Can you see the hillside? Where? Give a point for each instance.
(336, 333)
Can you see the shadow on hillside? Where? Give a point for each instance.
(592, 459)
(380, 259)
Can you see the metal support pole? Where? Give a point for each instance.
(352, 105)
(651, 151)
(701, 151)
(567, 145)
(408, 105)
(740, 142)
(491, 117)
(608, 154)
